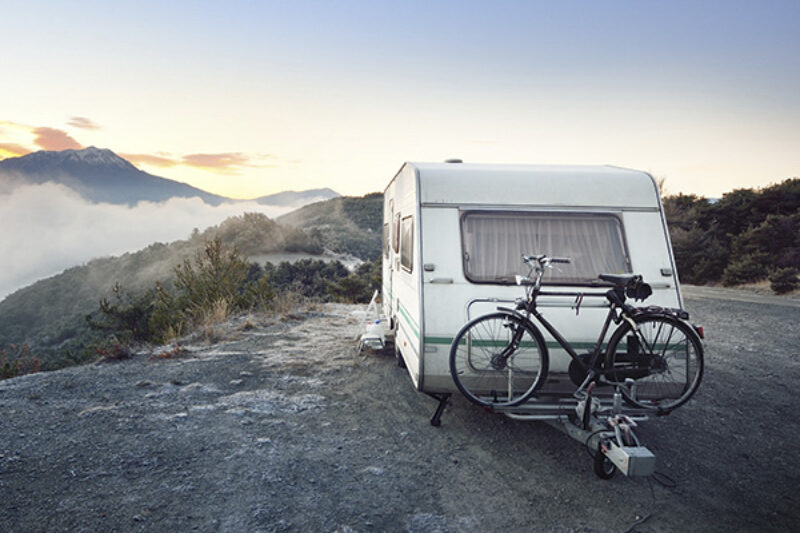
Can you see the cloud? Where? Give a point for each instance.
(12, 150)
(149, 159)
(74, 237)
(53, 139)
(224, 163)
(83, 123)
(227, 162)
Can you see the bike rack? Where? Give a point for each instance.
(605, 427)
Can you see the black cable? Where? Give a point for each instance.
(586, 444)
(646, 517)
(664, 480)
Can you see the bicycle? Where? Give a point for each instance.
(654, 357)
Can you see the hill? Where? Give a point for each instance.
(297, 198)
(49, 316)
(350, 225)
(99, 175)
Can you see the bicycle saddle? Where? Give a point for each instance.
(619, 280)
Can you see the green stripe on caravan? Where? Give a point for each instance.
(552, 345)
(405, 316)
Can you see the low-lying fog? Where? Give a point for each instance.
(48, 228)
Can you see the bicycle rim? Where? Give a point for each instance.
(488, 370)
(663, 357)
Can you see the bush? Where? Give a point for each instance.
(15, 360)
(217, 283)
(746, 269)
(126, 316)
(783, 280)
(307, 278)
(359, 286)
(700, 257)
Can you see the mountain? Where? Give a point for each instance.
(347, 225)
(99, 175)
(297, 198)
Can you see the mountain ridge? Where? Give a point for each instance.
(100, 175)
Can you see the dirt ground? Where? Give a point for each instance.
(281, 426)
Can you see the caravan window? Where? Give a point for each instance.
(407, 244)
(494, 242)
(396, 234)
(385, 239)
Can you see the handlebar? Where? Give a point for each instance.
(544, 260)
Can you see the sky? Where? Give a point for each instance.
(246, 98)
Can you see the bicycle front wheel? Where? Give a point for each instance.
(498, 360)
(664, 357)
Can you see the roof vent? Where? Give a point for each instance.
(453, 161)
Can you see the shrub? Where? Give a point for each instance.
(126, 316)
(359, 286)
(783, 280)
(20, 362)
(700, 257)
(217, 283)
(746, 269)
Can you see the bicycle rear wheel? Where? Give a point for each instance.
(664, 357)
(488, 369)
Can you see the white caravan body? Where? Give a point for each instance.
(454, 235)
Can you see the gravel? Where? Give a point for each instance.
(281, 426)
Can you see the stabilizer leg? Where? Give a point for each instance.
(442, 398)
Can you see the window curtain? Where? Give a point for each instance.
(494, 244)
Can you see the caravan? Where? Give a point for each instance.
(454, 235)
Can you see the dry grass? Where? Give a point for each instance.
(208, 318)
(287, 304)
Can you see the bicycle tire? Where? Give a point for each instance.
(664, 358)
(486, 375)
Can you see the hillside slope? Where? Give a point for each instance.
(349, 225)
(49, 315)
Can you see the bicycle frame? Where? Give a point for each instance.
(530, 310)
(591, 368)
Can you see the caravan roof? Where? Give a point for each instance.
(535, 185)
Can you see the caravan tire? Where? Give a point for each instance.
(485, 368)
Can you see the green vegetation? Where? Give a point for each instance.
(217, 284)
(783, 280)
(345, 225)
(747, 236)
(210, 288)
(144, 298)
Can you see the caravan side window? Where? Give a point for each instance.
(385, 239)
(407, 244)
(396, 234)
(493, 244)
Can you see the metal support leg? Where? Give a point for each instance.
(442, 398)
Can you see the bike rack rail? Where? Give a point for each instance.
(599, 421)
